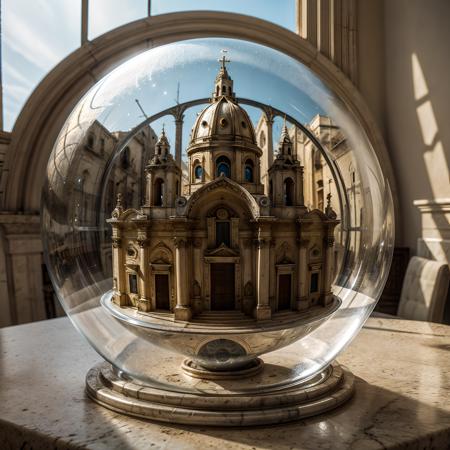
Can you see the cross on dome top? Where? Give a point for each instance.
(224, 84)
(223, 60)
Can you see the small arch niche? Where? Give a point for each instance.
(198, 172)
(223, 166)
(289, 192)
(248, 171)
(223, 228)
(158, 192)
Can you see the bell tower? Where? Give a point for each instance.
(223, 86)
(223, 141)
(163, 176)
(286, 175)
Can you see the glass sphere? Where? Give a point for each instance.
(125, 154)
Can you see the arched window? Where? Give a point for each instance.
(91, 141)
(248, 171)
(125, 158)
(223, 228)
(223, 233)
(198, 172)
(158, 192)
(262, 139)
(288, 192)
(320, 195)
(223, 166)
(102, 146)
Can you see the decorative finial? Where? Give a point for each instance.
(163, 129)
(119, 208)
(329, 212)
(223, 60)
(119, 200)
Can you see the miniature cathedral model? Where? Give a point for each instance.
(230, 242)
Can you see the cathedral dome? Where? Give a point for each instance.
(223, 119)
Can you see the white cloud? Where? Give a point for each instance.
(21, 38)
(15, 76)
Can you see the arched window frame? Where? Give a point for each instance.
(158, 192)
(90, 141)
(223, 160)
(223, 227)
(289, 192)
(249, 171)
(125, 158)
(197, 171)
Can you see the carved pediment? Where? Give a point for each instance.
(222, 250)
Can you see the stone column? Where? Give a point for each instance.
(235, 232)
(119, 281)
(324, 27)
(328, 270)
(302, 272)
(148, 189)
(272, 274)
(211, 230)
(25, 270)
(278, 189)
(179, 118)
(263, 310)
(300, 199)
(145, 303)
(182, 309)
(268, 155)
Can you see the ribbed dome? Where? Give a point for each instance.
(224, 119)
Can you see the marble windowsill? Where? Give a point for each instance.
(402, 397)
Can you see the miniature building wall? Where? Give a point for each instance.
(226, 245)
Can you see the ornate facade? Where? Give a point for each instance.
(231, 242)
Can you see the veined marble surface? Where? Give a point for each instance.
(402, 397)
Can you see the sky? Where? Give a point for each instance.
(38, 34)
(260, 74)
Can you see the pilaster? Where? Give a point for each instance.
(144, 279)
(302, 298)
(118, 257)
(182, 309)
(263, 310)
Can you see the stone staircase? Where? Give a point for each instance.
(224, 319)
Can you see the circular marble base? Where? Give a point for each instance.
(287, 401)
(190, 368)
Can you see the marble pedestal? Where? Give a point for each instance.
(275, 397)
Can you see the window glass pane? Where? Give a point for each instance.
(223, 168)
(280, 12)
(248, 173)
(198, 172)
(36, 35)
(223, 233)
(314, 282)
(133, 284)
(104, 15)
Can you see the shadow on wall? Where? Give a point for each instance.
(417, 67)
(435, 158)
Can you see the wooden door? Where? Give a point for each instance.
(162, 291)
(222, 286)
(284, 291)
